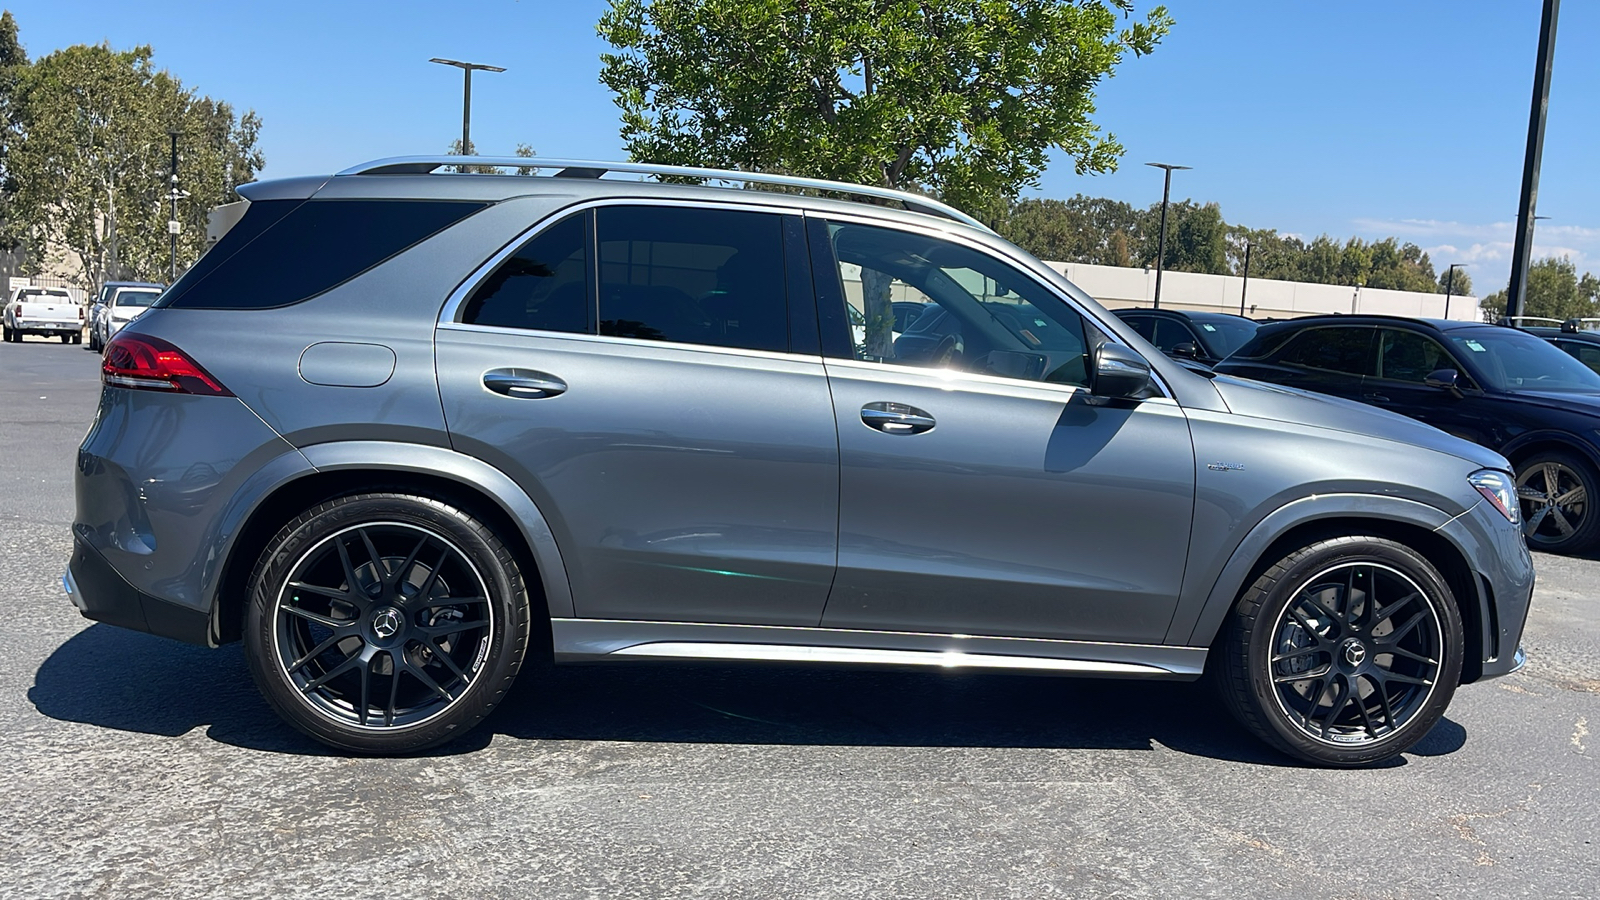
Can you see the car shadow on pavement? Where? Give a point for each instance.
(114, 678)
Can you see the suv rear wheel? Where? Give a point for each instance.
(386, 623)
(1343, 653)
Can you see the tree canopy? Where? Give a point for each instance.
(962, 98)
(1554, 291)
(87, 158)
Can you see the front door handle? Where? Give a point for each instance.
(896, 418)
(1375, 398)
(523, 384)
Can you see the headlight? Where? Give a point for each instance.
(1498, 488)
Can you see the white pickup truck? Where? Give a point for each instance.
(44, 311)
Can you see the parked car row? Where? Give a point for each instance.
(1526, 388)
(53, 312)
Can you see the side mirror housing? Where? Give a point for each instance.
(1120, 374)
(1186, 350)
(1444, 380)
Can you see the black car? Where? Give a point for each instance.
(1501, 387)
(1201, 336)
(1575, 336)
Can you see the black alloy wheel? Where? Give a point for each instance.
(386, 623)
(1554, 492)
(1345, 653)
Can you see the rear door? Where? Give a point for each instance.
(982, 491)
(634, 368)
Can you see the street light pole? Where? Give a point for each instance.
(1518, 288)
(1449, 285)
(1161, 249)
(1245, 287)
(172, 218)
(466, 96)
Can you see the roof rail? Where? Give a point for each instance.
(585, 168)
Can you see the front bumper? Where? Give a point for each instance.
(98, 592)
(1503, 572)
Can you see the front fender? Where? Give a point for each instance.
(1197, 621)
(472, 473)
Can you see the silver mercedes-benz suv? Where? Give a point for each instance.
(404, 431)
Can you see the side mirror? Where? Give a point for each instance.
(1185, 350)
(1119, 373)
(1444, 380)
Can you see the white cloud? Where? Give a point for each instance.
(1485, 247)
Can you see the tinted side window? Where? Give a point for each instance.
(1409, 356)
(1343, 349)
(986, 317)
(698, 276)
(544, 285)
(1584, 352)
(1170, 333)
(277, 256)
(1145, 325)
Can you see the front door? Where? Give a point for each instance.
(982, 491)
(632, 367)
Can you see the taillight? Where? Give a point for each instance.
(147, 363)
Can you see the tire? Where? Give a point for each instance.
(77, 337)
(7, 333)
(1331, 613)
(66, 339)
(391, 668)
(1558, 518)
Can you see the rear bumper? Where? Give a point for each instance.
(36, 327)
(98, 592)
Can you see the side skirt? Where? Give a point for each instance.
(614, 640)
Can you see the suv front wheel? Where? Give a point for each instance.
(386, 623)
(1343, 653)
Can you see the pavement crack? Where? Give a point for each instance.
(1462, 823)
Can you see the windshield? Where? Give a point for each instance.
(137, 298)
(1511, 360)
(1225, 334)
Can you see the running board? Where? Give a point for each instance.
(599, 640)
(940, 659)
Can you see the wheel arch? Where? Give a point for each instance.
(345, 468)
(1537, 442)
(1407, 522)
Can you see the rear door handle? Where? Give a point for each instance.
(523, 384)
(896, 418)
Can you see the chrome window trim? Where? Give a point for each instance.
(811, 359)
(1032, 270)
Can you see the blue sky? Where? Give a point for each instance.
(1351, 118)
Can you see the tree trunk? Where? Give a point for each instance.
(879, 314)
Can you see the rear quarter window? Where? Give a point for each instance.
(286, 251)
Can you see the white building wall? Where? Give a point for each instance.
(1114, 286)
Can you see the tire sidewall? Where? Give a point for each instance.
(508, 638)
(1264, 627)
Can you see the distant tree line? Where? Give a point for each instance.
(1113, 233)
(84, 157)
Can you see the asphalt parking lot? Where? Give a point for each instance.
(138, 766)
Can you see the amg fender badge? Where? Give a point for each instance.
(1225, 467)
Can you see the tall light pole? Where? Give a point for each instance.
(1161, 251)
(1523, 249)
(172, 219)
(1450, 284)
(1245, 286)
(466, 96)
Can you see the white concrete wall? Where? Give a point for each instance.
(1114, 286)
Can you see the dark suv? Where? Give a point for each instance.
(1578, 338)
(1497, 386)
(487, 419)
(1200, 336)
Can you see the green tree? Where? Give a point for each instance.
(1083, 229)
(13, 62)
(1197, 238)
(963, 98)
(91, 165)
(1554, 291)
(1460, 284)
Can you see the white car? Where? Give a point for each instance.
(43, 311)
(119, 303)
